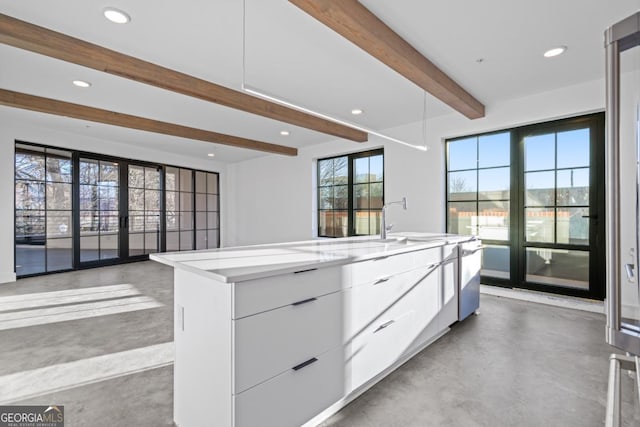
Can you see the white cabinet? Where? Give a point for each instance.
(278, 351)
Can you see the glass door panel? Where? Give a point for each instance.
(558, 224)
(99, 188)
(144, 203)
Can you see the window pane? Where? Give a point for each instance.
(89, 248)
(573, 227)
(361, 196)
(136, 223)
(558, 267)
(108, 246)
(463, 154)
(59, 254)
(88, 197)
(59, 224)
(30, 258)
(212, 183)
(201, 202)
(151, 242)
(136, 199)
(30, 227)
(136, 244)
(186, 221)
(361, 222)
(212, 220)
(495, 261)
(573, 187)
(341, 223)
(326, 197)
(573, 148)
(186, 240)
(325, 171)
(212, 239)
(375, 196)
(361, 172)
(173, 241)
(212, 203)
(152, 223)
(201, 182)
(201, 220)
(58, 170)
(462, 185)
(201, 240)
(109, 173)
(171, 201)
(30, 195)
(152, 178)
(341, 197)
(186, 183)
(494, 150)
(539, 152)
(374, 222)
(493, 220)
(89, 171)
(29, 166)
(540, 188)
(540, 224)
(494, 184)
(186, 201)
(462, 218)
(152, 200)
(341, 171)
(325, 223)
(172, 179)
(376, 165)
(58, 196)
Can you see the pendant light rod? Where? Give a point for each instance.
(270, 97)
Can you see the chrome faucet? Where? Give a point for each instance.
(383, 222)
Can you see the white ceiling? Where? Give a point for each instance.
(290, 54)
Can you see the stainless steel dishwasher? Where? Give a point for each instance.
(469, 262)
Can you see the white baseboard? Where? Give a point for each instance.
(7, 277)
(574, 303)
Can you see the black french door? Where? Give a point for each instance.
(119, 210)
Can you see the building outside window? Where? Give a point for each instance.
(350, 194)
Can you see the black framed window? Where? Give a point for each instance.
(77, 209)
(43, 215)
(350, 194)
(535, 196)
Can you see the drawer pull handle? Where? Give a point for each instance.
(304, 301)
(382, 279)
(303, 364)
(304, 271)
(384, 325)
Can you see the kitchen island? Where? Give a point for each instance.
(287, 334)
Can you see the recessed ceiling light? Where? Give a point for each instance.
(81, 83)
(116, 15)
(284, 132)
(555, 51)
(210, 154)
(356, 111)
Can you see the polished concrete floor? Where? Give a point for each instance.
(99, 342)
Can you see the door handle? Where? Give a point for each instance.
(384, 325)
(590, 216)
(304, 364)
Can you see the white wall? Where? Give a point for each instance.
(275, 196)
(12, 131)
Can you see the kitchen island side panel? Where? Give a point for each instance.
(203, 360)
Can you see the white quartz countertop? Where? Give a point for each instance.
(237, 264)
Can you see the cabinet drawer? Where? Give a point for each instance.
(256, 296)
(376, 269)
(295, 396)
(272, 342)
(373, 301)
(381, 347)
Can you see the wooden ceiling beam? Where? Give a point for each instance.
(27, 36)
(77, 111)
(356, 23)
